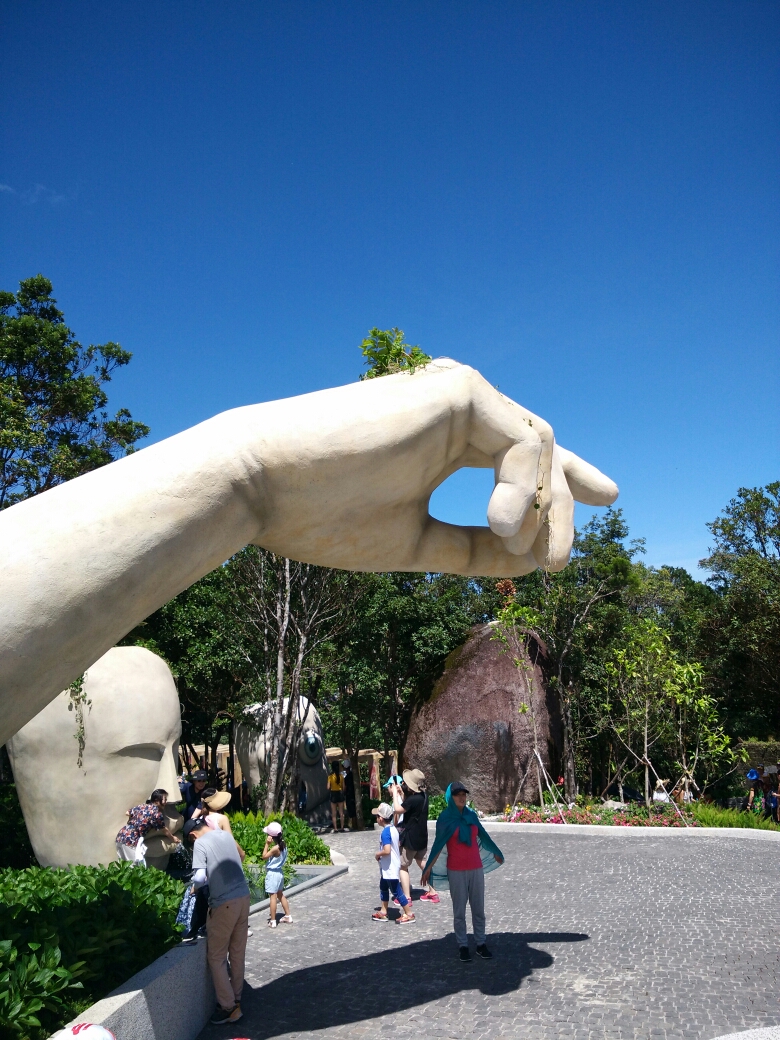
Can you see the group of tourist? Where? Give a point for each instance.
(764, 791)
(216, 905)
(217, 901)
(461, 854)
(219, 883)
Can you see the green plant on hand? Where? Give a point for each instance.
(386, 353)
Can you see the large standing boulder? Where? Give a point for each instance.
(472, 728)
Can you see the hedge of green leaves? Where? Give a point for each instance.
(437, 803)
(15, 848)
(302, 843)
(71, 936)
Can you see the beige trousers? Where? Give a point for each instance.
(227, 933)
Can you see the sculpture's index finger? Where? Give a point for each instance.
(587, 484)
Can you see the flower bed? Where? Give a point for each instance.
(603, 816)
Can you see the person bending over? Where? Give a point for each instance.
(215, 861)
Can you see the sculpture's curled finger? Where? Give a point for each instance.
(517, 470)
(552, 547)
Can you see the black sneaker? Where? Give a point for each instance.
(189, 940)
(484, 952)
(222, 1017)
(464, 954)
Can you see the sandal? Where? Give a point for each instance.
(406, 919)
(379, 916)
(286, 919)
(272, 924)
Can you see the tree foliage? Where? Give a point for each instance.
(53, 419)
(741, 633)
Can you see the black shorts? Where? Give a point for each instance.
(336, 797)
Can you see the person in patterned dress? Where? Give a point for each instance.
(140, 820)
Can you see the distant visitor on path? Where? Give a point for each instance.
(389, 859)
(337, 795)
(275, 856)
(215, 862)
(464, 851)
(142, 819)
(349, 790)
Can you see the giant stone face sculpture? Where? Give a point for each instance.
(253, 750)
(340, 478)
(132, 732)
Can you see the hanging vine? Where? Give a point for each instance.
(78, 701)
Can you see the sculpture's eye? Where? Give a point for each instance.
(310, 749)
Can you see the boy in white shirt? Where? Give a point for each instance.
(389, 859)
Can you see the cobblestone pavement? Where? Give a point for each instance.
(594, 937)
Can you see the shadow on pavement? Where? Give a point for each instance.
(355, 990)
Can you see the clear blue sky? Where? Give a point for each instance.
(580, 199)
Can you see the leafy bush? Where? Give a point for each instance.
(71, 936)
(368, 805)
(712, 816)
(303, 844)
(15, 848)
(437, 803)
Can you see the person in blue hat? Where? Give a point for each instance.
(755, 802)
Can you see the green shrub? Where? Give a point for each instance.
(15, 848)
(303, 844)
(437, 803)
(368, 805)
(71, 936)
(712, 816)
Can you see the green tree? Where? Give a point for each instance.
(579, 613)
(742, 629)
(195, 634)
(386, 353)
(393, 651)
(53, 422)
(656, 705)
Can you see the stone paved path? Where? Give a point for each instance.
(594, 937)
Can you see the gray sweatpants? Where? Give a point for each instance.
(468, 886)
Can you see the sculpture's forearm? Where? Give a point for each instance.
(84, 563)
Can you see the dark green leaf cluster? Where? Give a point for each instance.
(90, 926)
(53, 422)
(15, 848)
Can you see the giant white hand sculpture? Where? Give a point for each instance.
(340, 477)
